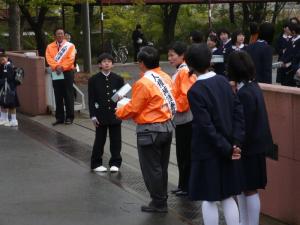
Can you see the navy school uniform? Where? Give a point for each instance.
(100, 90)
(7, 72)
(218, 124)
(223, 50)
(280, 47)
(218, 68)
(258, 138)
(291, 56)
(261, 54)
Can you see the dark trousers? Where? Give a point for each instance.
(115, 145)
(154, 161)
(183, 134)
(64, 96)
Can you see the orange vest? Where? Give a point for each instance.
(147, 104)
(182, 84)
(66, 62)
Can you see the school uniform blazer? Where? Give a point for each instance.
(258, 138)
(281, 45)
(219, 68)
(218, 119)
(261, 54)
(100, 90)
(292, 55)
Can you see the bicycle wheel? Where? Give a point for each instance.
(123, 56)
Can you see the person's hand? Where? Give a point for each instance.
(236, 154)
(95, 122)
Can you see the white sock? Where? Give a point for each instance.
(231, 211)
(253, 209)
(210, 213)
(242, 209)
(13, 117)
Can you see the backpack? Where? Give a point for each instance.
(19, 74)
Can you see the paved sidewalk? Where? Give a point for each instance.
(40, 186)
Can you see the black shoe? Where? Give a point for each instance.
(153, 209)
(181, 194)
(57, 122)
(175, 191)
(68, 121)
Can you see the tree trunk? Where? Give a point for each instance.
(277, 9)
(14, 23)
(37, 26)
(246, 15)
(231, 13)
(170, 12)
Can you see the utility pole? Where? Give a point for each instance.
(101, 24)
(87, 60)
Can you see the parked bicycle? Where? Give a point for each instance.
(120, 54)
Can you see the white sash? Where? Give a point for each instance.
(165, 91)
(62, 52)
(183, 65)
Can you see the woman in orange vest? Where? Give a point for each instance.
(152, 107)
(182, 81)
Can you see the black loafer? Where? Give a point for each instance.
(68, 121)
(152, 209)
(57, 122)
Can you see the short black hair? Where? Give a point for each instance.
(58, 28)
(240, 66)
(294, 27)
(198, 57)
(213, 38)
(178, 47)
(235, 34)
(105, 55)
(223, 30)
(138, 26)
(197, 36)
(149, 56)
(266, 32)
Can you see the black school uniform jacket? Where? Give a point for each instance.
(261, 54)
(258, 137)
(100, 90)
(223, 50)
(292, 54)
(218, 119)
(7, 72)
(281, 45)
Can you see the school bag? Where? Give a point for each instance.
(19, 74)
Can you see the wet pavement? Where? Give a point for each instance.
(41, 185)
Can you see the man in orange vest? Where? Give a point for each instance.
(60, 56)
(152, 107)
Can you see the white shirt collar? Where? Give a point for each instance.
(206, 75)
(296, 38)
(240, 85)
(214, 49)
(227, 41)
(239, 47)
(105, 74)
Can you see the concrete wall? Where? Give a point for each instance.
(281, 199)
(32, 93)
